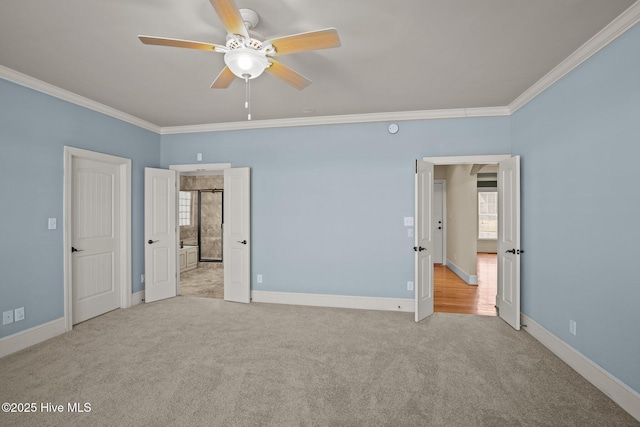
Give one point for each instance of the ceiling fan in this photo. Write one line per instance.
(246, 55)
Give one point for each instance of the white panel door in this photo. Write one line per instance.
(423, 240)
(438, 223)
(508, 297)
(237, 236)
(95, 238)
(160, 261)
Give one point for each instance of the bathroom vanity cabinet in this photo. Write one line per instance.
(188, 258)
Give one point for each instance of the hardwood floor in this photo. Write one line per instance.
(453, 295)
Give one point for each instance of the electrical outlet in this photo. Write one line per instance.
(18, 314)
(199, 157)
(409, 286)
(572, 327)
(259, 278)
(7, 317)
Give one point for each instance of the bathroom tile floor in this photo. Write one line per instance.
(206, 281)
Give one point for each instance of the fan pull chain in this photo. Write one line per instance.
(247, 102)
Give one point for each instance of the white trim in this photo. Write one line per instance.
(49, 89)
(619, 392)
(615, 29)
(342, 301)
(137, 298)
(469, 279)
(125, 225)
(343, 119)
(199, 167)
(31, 336)
(488, 159)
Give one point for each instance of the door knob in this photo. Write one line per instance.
(151, 242)
(244, 242)
(76, 250)
(511, 251)
(419, 248)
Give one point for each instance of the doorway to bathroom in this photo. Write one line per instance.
(201, 219)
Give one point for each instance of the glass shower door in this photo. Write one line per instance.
(210, 225)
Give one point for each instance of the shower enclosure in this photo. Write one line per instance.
(210, 220)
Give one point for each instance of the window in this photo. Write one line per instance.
(184, 208)
(487, 214)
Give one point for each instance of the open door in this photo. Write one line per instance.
(508, 296)
(423, 240)
(236, 235)
(160, 262)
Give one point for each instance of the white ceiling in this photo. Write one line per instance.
(402, 55)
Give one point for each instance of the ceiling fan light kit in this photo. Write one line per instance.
(246, 62)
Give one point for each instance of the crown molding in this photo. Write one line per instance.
(625, 21)
(49, 89)
(343, 119)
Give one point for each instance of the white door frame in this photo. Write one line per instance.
(465, 160)
(491, 159)
(124, 216)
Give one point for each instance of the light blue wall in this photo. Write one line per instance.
(328, 201)
(34, 128)
(580, 146)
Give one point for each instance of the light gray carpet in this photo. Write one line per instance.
(196, 361)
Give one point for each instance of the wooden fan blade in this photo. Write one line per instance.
(313, 40)
(230, 17)
(224, 79)
(288, 75)
(162, 41)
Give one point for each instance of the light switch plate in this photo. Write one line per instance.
(410, 232)
(7, 317)
(18, 314)
(259, 278)
(408, 221)
(199, 157)
(53, 224)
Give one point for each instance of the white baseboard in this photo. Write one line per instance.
(342, 301)
(31, 336)
(469, 279)
(619, 392)
(137, 298)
